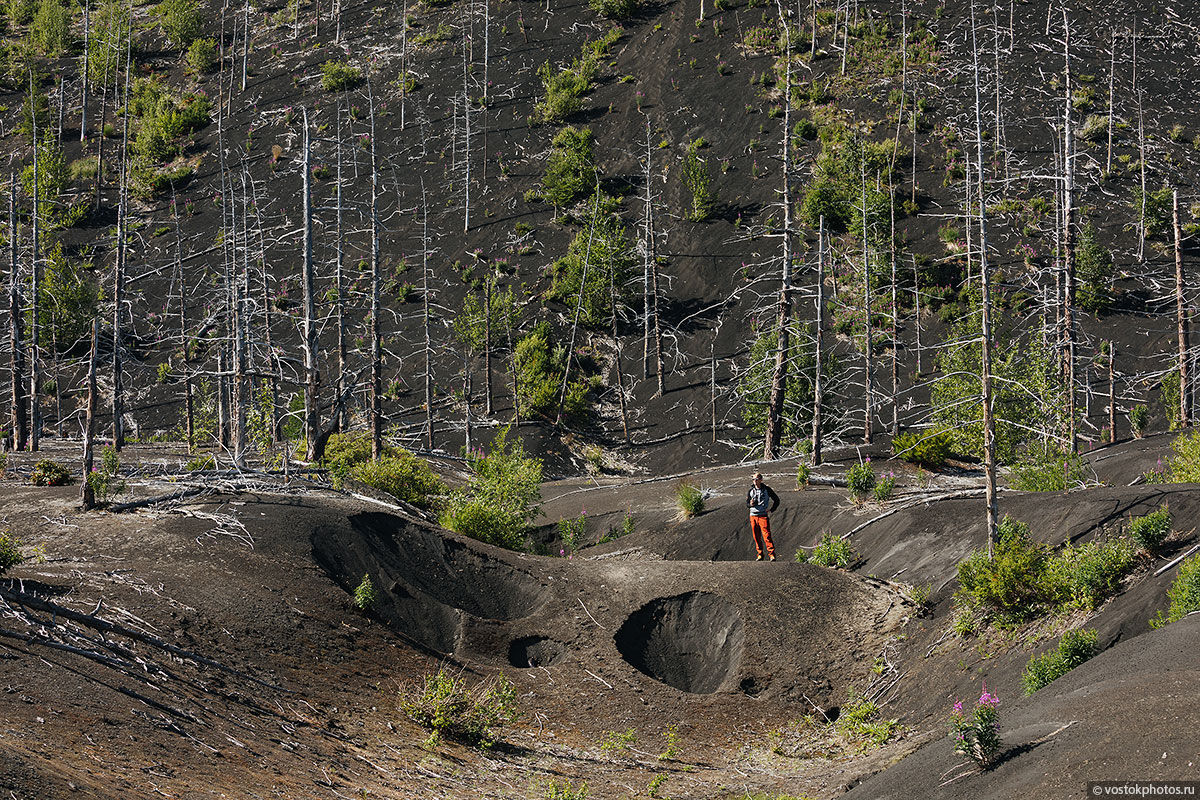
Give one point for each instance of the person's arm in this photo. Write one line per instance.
(748, 498)
(774, 499)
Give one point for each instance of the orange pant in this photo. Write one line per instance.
(760, 529)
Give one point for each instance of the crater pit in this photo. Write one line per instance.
(691, 641)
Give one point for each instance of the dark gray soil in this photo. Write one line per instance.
(692, 642)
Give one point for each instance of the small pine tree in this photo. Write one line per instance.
(698, 181)
(571, 168)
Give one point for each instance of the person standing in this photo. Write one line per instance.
(761, 500)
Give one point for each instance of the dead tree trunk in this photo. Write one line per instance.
(376, 328)
(819, 376)
(189, 413)
(35, 358)
(425, 318)
(895, 323)
(488, 282)
(339, 282)
(779, 376)
(612, 295)
(985, 286)
(712, 385)
(87, 492)
(587, 257)
(917, 313)
(20, 422)
(118, 385)
(242, 393)
(1068, 241)
(1112, 391)
(1137, 94)
(1181, 319)
(272, 381)
(1112, 79)
(83, 75)
(312, 379)
(648, 244)
(867, 349)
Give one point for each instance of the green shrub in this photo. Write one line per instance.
(698, 181)
(345, 450)
(449, 709)
(51, 28)
(1159, 473)
(1074, 648)
(540, 366)
(539, 370)
(1168, 395)
(107, 39)
(20, 11)
(180, 21)
(1024, 579)
(501, 497)
(10, 550)
(1158, 209)
(69, 292)
(1185, 464)
(338, 76)
(571, 167)
(1184, 594)
(565, 791)
(485, 522)
(162, 118)
(1086, 575)
(928, 448)
(884, 487)
(614, 9)
(49, 473)
(202, 56)
(1094, 268)
(1049, 470)
(104, 480)
(860, 479)
(689, 500)
(977, 735)
(365, 594)
(831, 551)
(1010, 587)
(803, 474)
(1151, 530)
(53, 178)
(200, 463)
(1139, 417)
(566, 87)
(805, 129)
(598, 260)
(402, 475)
(860, 719)
(571, 532)
(615, 742)
(150, 182)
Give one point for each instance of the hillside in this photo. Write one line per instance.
(456, 205)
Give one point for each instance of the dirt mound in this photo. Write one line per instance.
(692, 641)
(427, 580)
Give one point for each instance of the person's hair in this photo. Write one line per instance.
(758, 476)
